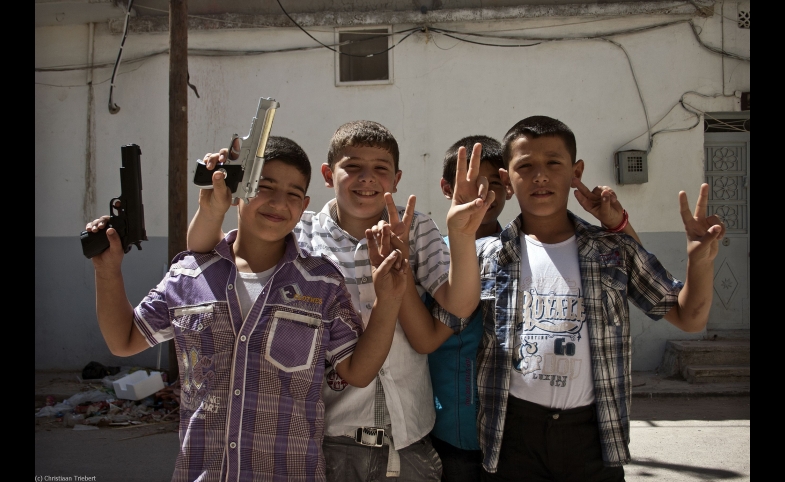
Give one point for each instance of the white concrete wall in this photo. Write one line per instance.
(442, 90)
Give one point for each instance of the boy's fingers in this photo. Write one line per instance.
(703, 201)
(482, 190)
(114, 241)
(489, 199)
(684, 209)
(386, 265)
(460, 169)
(581, 187)
(392, 211)
(408, 213)
(474, 162)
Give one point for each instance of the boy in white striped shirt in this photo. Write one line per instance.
(384, 426)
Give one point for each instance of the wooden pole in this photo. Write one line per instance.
(178, 140)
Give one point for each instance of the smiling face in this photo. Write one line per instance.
(277, 208)
(360, 176)
(540, 173)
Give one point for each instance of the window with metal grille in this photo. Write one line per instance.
(364, 56)
(744, 19)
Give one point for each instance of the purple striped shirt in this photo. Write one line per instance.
(250, 402)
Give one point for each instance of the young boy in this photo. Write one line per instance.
(452, 364)
(555, 360)
(254, 321)
(380, 429)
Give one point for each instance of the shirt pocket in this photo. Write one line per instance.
(202, 322)
(614, 295)
(293, 340)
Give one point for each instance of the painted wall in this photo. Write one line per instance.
(443, 90)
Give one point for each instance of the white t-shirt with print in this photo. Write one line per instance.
(552, 356)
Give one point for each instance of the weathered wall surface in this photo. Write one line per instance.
(443, 89)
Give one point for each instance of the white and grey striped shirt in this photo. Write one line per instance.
(404, 375)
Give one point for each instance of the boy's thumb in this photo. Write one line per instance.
(114, 239)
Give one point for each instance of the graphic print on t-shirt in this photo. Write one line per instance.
(551, 357)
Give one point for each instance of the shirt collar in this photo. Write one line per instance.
(293, 250)
(330, 212)
(511, 247)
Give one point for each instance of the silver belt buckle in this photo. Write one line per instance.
(369, 436)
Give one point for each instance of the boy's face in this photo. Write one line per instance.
(540, 174)
(496, 185)
(360, 177)
(277, 208)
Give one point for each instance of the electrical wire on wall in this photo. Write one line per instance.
(114, 108)
(488, 40)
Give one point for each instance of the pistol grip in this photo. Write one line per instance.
(94, 244)
(203, 177)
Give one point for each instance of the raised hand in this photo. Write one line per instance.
(378, 239)
(389, 279)
(703, 233)
(601, 202)
(111, 259)
(216, 201)
(393, 235)
(471, 197)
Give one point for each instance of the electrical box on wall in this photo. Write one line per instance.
(631, 167)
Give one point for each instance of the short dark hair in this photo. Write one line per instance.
(283, 149)
(491, 152)
(537, 126)
(362, 133)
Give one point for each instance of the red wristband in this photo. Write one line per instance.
(623, 224)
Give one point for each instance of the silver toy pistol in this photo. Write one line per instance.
(243, 169)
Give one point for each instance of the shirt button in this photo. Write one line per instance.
(237, 392)
(368, 305)
(364, 280)
(199, 327)
(556, 416)
(232, 445)
(230, 287)
(242, 338)
(381, 372)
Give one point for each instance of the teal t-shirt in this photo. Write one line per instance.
(454, 380)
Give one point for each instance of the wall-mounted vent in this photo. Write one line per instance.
(631, 167)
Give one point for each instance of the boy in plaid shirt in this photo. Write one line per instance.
(555, 359)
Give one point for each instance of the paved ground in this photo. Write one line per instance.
(679, 433)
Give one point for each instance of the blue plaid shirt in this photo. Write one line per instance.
(614, 271)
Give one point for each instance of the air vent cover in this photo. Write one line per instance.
(631, 167)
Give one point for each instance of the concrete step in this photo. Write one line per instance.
(682, 353)
(716, 373)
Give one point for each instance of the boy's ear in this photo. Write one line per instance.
(306, 201)
(327, 174)
(446, 189)
(505, 177)
(397, 180)
(577, 168)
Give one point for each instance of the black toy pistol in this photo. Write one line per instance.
(127, 211)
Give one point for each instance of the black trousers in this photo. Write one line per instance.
(542, 444)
